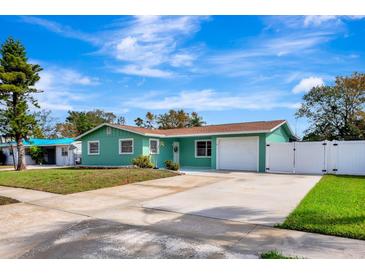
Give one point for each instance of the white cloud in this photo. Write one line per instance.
(279, 46)
(182, 60)
(307, 84)
(61, 29)
(73, 77)
(266, 54)
(317, 20)
(145, 46)
(144, 71)
(60, 88)
(207, 99)
(149, 45)
(53, 75)
(328, 20)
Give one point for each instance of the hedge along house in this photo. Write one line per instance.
(239, 146)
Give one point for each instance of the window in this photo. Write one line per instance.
(154, 146)
(27, 151)
(93, 148)
(203, 148)
(126, 146)
(108, 130)
(64, 151)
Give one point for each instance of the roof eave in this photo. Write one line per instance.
(285, 122)
(218, 133)
(116, 127)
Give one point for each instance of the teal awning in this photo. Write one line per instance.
(43, 142)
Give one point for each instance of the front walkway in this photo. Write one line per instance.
(113, 223)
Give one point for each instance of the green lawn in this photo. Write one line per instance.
(335, 206)
(7, 201)
(274, 254)
(71, 180)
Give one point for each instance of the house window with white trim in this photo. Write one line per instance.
(154, 146)
(93, 148)
(203, 148)
(64, 151)
(126, 146)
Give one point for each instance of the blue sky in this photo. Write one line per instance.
(228, 68)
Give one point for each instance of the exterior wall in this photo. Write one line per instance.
(187, 153)
(166, 152)
(68, 160)
(60, 160)
(279, 135)
(109, 148)
(9, 157)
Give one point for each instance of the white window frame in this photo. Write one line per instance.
(120, 146)
(158, 146)
(88, 147)
(196, 148)
(108, 130)
(66, 149)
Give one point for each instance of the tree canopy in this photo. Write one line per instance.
(171, 119)
(78, 122)
(45, 124)
(17, 81)
(337, 111)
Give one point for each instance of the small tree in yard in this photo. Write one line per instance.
(17, 80)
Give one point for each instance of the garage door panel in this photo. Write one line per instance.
(238, 154)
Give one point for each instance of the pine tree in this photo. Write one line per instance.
(17, 80)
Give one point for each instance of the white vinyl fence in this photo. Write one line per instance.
(337, 157)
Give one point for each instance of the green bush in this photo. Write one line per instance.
(36, 153)
(143, 162)
(171, 165)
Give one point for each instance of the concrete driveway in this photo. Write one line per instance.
(265, 199)
(207, 215)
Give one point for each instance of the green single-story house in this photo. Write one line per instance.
(236, 146)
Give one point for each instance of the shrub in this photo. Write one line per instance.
(36, 153)
(2, 158)
(171, 165)
(143, 162)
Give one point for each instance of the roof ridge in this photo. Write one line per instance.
(227, 124)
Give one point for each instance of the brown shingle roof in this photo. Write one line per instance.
(261, 126)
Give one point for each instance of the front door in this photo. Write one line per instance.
(176, 152)
(51, 156)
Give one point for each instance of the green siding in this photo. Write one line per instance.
(109, 148)
(279, 135)
(166, 152)
(187, 153)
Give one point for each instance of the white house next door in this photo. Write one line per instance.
(176, 152)
(238, 153)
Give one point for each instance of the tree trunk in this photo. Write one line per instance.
(21, 154)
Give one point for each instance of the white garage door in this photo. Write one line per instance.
(239, 153)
